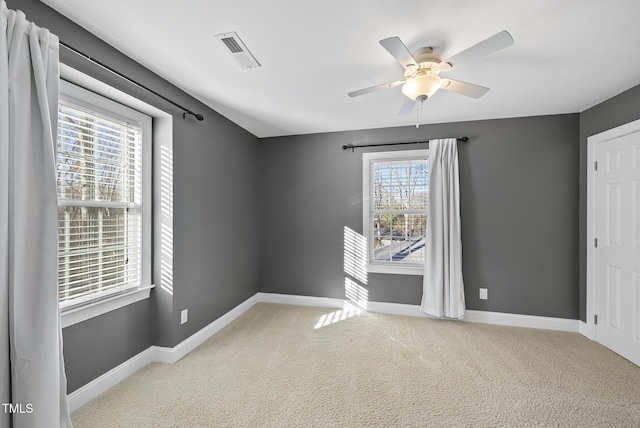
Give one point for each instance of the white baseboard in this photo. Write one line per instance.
(160, 354)
(498, 318)
(154, 354)
(171, 355)
(396, 309)
(588, 330)
(83, 395)
(290, 299)
(517, 320)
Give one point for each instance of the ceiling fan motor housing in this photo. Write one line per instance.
(422, 81)
(426, 62)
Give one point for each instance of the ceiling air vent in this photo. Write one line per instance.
(238, 50)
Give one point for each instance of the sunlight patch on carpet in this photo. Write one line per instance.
(349, 311)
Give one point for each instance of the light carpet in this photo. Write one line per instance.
(282, 366)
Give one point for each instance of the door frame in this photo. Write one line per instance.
(592, 144)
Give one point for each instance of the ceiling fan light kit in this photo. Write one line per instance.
(421, 69)
(421, 87)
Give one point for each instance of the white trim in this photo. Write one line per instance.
(290, 299)
(382, 267)
(155, 354)
(162, 136)
(172, 355)
(396, 309)
(84, 80)
(72, 94)
(93, 389)
(73, 316)
(159, 354)
(588, 331)
(518, 320)
(397, 269)
(592, 143)
(591, 209)
(498, 318)
(94, 103)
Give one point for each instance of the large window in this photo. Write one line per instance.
(103, 197)
(396, 190)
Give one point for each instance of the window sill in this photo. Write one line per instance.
(395, 270)
(76, 315)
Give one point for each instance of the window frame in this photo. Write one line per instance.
(73, 312)
(367, 211)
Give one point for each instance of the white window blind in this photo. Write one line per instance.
(396, 198)
(99, 204)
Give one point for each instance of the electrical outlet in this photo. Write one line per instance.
(484, 294)
(184, 315)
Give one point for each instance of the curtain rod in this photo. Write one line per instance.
(353, 147)
(186, 111)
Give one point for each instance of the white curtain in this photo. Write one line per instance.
(31, 365)
(443, 288)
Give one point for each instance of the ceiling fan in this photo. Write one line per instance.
(421, 70)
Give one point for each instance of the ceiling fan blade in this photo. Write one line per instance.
(493, 44)
(399, 51)
(375, 88)
(407, 107)
(464, 88)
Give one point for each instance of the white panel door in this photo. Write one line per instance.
(617, 256)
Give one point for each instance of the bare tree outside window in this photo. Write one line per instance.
(98, 183)
(399, 197)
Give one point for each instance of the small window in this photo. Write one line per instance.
(395, 202)
(103, 197)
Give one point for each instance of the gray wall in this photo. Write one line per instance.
(519, 209)
(215, 217)
(99, 344)
(280, 227)
(616, 111)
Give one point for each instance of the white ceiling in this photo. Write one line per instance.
(568, 55)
